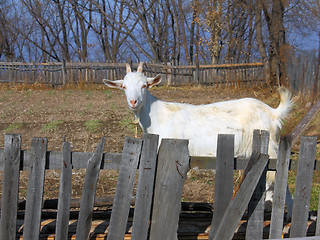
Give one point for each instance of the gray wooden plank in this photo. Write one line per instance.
(65, 189)
(10, 186)
(239, 203)
(318, 219)
(172, 167)
(260, 144)
(223, 179)
(89, 192)
(113, 160)
(79, 160)
(147, 170)
(280, 188)
(302, 193)
(123, 195)
(35, 186)
(302, 238)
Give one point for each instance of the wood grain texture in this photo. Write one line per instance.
(147, 171)
(223, 179)
(302, 192)
(123, 195)
(280, 188)
(64, 194)
(10, 186)
(260, 144)
(173, 164)
(35, 186)
(89, 192)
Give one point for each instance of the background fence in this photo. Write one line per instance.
(75, 72)
(302, 73)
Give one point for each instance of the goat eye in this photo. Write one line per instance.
(124, 87)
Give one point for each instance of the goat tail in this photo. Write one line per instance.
(285, 105)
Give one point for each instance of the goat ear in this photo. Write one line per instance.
(154, 81)
(140, 67)
(113, 84)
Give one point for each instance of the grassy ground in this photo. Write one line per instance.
(83, 114)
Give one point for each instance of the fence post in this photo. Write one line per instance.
(32, 217)
(65, 190)
(302, 192)
(280, 188)
(64, 71)
(89, 192)
(260, 144)
(223, 179)
(169, 74)
(122, 198)
(10, 186)
(173, 164)
(147, 171)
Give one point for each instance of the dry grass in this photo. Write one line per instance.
(86, 112)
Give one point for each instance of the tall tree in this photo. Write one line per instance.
(273, 12)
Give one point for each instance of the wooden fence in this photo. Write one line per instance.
(75, 72)
(157, 211)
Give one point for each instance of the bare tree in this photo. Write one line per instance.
(81, 26)
(273, 12)
(8, 37)
(111, 35)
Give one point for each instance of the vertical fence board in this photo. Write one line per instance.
(64, 194)
(124, 188)
(239, 203)
(147, 170)
(302, 193)
(318, 219)
(280, 188)
(173, 164)
(223, 179)
(10, 187)
(35, 186)
(89, 192)
(256, 205)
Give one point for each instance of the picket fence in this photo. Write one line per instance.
(157, 206)
(247, 74)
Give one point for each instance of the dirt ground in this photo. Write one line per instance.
(84, 116)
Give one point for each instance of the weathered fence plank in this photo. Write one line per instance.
(318, 219)
(280, 188)
(223, 179)
(147, 171)
(260, 144)
(124, 188)
(35, 186)
(303, 186)
(10, 186)
(239, 203)
(173, 164)
(89, 192)
(64, 194)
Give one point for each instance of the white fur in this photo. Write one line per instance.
(201, 124)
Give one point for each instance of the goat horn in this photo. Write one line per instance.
(140, 67)
(128, 67)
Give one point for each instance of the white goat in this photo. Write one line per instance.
(201, 124)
